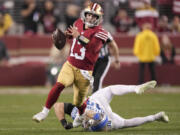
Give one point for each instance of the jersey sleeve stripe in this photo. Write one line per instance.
(102, 35)
(101, 38)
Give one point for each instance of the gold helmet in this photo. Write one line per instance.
(94, 9)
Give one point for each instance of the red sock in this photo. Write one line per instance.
(82, 107)
(54, 94)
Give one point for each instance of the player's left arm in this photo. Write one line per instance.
(114, 50)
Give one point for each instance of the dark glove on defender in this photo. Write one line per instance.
(66, 125)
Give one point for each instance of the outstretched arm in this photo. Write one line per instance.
(59, 110)
(60, 114)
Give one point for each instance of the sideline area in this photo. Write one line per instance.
(45, 90)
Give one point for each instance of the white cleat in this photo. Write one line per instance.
(163, 118)
(145, 86)
(40, 116)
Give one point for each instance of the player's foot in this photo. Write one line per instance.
(40, 116)
(145, 86)
(163, 117)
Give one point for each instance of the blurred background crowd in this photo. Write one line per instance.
(120, 16)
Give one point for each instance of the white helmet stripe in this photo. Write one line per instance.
(94, 7)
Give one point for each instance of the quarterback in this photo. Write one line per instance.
(98, 115)
(87, 39)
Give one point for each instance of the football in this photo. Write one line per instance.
(59, 39)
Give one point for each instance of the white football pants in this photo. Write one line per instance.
(104, 96)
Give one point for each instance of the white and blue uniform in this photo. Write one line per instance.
(99, 103)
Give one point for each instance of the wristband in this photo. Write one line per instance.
(66, 125)
(63, 122)
(83, 40)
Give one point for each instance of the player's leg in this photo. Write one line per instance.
(118, 122)
(161, 116)
(100, 70)
(110, 91)
(79, 95)
(65, 78)
(80, 87)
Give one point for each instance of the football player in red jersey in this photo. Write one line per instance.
(88, 37)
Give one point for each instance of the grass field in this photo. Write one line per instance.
(16, 111)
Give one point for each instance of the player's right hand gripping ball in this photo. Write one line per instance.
(59, 39)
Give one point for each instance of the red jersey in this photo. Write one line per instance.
(84, 57)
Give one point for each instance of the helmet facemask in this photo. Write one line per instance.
(91, 118)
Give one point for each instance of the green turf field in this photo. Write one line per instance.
(16, 112)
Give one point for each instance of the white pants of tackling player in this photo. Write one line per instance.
(104, 96)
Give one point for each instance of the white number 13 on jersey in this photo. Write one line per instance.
(82, 50)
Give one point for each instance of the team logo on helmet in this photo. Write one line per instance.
(94, 9)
